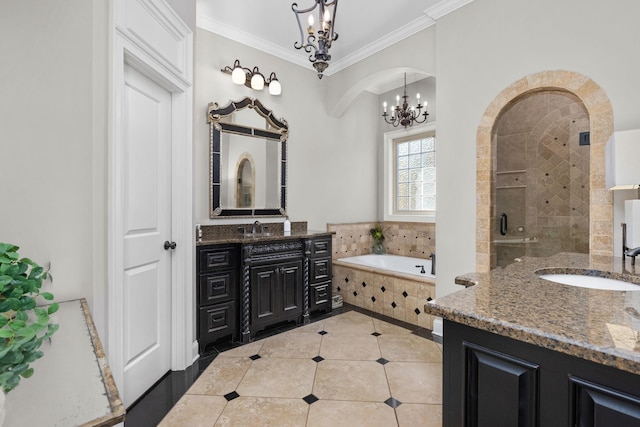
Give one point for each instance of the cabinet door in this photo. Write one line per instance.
(501, 390)
(217, 287)
(291, 287)
(597, 406)
(264, 291)
(320, 296)
(320, 270)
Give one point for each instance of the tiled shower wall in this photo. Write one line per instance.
(542, 180)
(414, 239)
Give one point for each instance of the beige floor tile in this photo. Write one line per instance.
(412, 382)
(350, 347)
(263, 412)
(269, 377)
(244, 350)
(387, 328)
(413, 414)
(351, 380)
(310, 328)
(330, 413)
(195, 411)
(408, 348)
(350, 322)
(292, 345)
(222, 376)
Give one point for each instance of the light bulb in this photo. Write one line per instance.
(397, 99)
(425, 104)
(418, 96)
(257, 81)
(274, 87)
(238, 76)
(310, 27)
(384, 105)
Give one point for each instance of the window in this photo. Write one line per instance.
(415, 174)
(410, 174)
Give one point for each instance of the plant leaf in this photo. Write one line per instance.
(53, 308)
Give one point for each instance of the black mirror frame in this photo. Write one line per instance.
(279, 131)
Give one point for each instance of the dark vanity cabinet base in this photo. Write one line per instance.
(491, 380)
(320, 275)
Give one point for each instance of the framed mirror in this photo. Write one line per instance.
(248, 160)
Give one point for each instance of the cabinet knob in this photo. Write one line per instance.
(169, 245)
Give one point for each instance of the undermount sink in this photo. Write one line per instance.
(591, 282)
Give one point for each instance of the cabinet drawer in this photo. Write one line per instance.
(216, 321)
(320, 270)
(321, 246)
(217, 287)
(217, 257)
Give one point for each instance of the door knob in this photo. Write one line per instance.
(169, 245)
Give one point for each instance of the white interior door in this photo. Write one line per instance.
(146, 280)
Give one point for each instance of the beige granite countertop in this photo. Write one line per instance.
(236, 237)
(597, 325)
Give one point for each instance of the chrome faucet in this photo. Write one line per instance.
(421, 267)
(633, 253)
(255, 227)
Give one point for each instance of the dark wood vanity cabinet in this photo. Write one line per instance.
(244, 288)
(217, 283)
(491, 380)
(320, 275)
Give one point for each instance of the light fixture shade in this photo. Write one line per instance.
(274, 87)
(238, 76)
(621, 155)
(257, 81)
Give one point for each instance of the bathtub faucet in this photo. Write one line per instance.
(433, 263)
(421, 268)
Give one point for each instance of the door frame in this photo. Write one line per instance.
(139, 37)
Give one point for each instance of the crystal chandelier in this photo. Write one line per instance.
(405, 115)
(318, 41)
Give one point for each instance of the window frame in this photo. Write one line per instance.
(390, 213)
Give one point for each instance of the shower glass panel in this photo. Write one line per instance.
(542, 178)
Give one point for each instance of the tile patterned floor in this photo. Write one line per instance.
(347, 370)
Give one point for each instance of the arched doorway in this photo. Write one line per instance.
(600, 116)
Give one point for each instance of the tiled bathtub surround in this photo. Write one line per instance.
(396, 297)
(413, 239)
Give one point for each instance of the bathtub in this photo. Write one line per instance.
(392, 264)
(390, 285)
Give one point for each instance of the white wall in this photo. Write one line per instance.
(485, 46)
(46, 134)
(332, 161)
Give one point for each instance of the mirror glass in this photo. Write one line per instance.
(248, 160)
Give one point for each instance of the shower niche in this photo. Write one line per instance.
(541, 197)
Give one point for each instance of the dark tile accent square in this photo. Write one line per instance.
(393, 402)
(364, 285)
(255, 357)
(394, 305)
(318, 359)
(383, 289)
(310, 399)
(231, 396)
(405, 294)
(355, 294)
(417, 311)
(373, 299)
(376, 334)
(323, 332)
(338, 289)
(382, 361)
(346, 279)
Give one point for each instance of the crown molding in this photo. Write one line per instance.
(444, 7)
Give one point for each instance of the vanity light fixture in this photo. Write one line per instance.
(252, 78)
(405, 115)
(317, 40)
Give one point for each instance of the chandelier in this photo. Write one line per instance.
(404, 115)
(318, 41)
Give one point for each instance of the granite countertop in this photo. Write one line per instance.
(237, 237)
(597, 325)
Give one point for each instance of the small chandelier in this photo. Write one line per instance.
(319, 41)
(404, 115)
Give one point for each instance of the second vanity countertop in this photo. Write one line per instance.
(237, 237)
(597, 325)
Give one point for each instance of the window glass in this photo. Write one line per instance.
(415, 174)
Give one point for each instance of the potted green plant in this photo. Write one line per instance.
(377, 233)
(23, 324)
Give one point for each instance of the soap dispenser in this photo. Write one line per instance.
(287, 226)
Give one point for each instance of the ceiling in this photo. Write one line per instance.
(363, 28)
